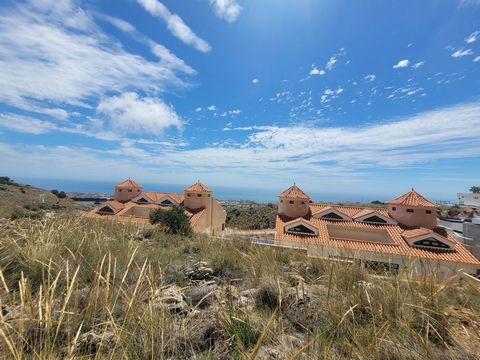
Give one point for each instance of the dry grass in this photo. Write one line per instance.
(67, 277)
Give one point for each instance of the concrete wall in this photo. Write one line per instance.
(212, 220)
(124, 194)
(197, 200)
(296, 209)
(419, 266)
(469, 199)
(418, 217)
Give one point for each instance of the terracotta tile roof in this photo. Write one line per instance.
(157, 196)
(398, 246)
(128, 183)
(117, 205)
(199, 187)
(412, 198)
(194, 215)
(351, 211)
(294, 192)
(413, 233)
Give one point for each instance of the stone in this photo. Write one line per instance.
(199, 271)
(248, 297)
(268, 352)
(364, 284)
(203, 294)
(92, 341)
(301, 307)
(172, 299)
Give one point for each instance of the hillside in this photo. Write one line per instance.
(74, 288)
(21, 200)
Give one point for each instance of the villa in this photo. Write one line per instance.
(132, 204)
(404, 235)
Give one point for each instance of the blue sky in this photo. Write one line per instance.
(363, 97)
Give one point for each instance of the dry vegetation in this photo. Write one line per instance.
(72, 288)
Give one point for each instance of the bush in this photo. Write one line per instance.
(5, 180)
(173, 221)
(54, 191)
(61, 195)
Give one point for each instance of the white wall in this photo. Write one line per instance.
(469, 199)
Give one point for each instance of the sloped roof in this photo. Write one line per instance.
(198, 187)
(128, 183)
(156, 196)
(412, 198)
(294, 192)
(396, 232)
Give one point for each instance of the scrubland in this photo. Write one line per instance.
(77, 288)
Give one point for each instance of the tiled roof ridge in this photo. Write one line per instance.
(128, 182)
(412, 198)
(198, 186)
(294, 192)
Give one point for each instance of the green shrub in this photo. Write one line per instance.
(172, 221)
(54, 191)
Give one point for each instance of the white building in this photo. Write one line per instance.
(468, 199)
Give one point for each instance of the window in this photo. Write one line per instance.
(142, 201)
(129, 190)
(291, 202)
(208, 195)
(138, 190)
(410, 210)
(106, 210)
(332, 216)
(188, 195)
(431, 242)
(281, 201)
(428, 211)
(375, 219)
(166, 202)
(119, 190)
(199, 195)
(300, 229)
(394, 208)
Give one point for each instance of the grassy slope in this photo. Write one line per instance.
(24, 198)
(48, 266)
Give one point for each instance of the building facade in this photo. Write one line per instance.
(405, 235)
(468, 199)
(132, 204)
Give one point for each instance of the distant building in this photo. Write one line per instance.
(405, 234)
(132, 204)
(468, 199)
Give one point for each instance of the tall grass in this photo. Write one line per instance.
(66, 280)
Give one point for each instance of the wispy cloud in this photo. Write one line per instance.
(462, 53)
(401, 64)
(212, 108)
(370, 77)
(255, 81)
(477, 59)
(228, 10)
(316, 71)
(472, 37)
(418, 64)
(175, 24)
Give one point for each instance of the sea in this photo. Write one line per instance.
(220, 192)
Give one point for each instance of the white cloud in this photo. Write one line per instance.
(234, 112)
(370, 77)
(226, 9)
(175, 24)
(25, 124)
(316, 71)
(462, 53)
(198, 109)
(130, 114)
(418, 64)
(401, 64)
(472, 37)
(212, 108)
(45, 57)
(477, 59)
(255, 81)
(331, 63)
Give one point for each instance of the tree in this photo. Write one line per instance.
(61, 195)
(173, 220)
(475, 189)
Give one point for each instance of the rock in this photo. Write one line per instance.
(199, 271)
(248, 297)
(91, 342)
(203, 294)
(270, 353)
(5, 310)
(171, 298)
(301, 307)
(364, 284)
(13, 313)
